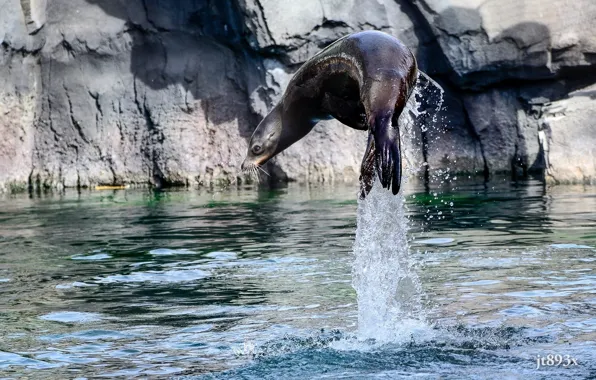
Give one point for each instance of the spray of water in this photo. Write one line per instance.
(388, 288)
(390, 307)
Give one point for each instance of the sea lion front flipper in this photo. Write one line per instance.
(367, 169)
(387, 152)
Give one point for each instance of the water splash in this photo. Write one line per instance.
(388, 288)
(389, 291)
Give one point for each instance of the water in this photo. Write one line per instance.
(387, 286)
(258, 284)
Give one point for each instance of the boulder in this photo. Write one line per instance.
(486, 42)
(451, 144)
(128, 105)
(34, 12)
(569, 138)
(493, 115)
(295, 31)
(19, 93)
(18, 107)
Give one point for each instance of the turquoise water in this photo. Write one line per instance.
(257, 284)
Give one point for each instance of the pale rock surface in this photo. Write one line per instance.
(570, 143)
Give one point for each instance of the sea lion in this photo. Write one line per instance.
(363, 80)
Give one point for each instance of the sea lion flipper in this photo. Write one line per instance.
(387, 153)
(367, 170)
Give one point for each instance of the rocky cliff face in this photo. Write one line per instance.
(158, 92)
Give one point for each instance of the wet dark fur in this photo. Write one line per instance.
(363, 80)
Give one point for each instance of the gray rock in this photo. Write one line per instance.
(167, 110)
(154, 93)
(493, 116)
(451, 144)
(492, 41)
(265, 96)
(331, 152)
(570, 138)
(35, 14)
(19, 96)
(298, 30)
(14, 29)
(18, 107)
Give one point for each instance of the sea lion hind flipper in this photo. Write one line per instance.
(367, 169)
(388, 154)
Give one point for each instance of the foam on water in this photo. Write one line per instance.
(570, 246)
(171, 276)
(95, 257)
(436, 241)
(170, 252)
(71, 317)
(388, 288)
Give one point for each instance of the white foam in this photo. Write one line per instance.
(172, 276)
(95, 257)
(436, 241)
(570, 246)
(170, 252)
(222, 255)
(71, 317)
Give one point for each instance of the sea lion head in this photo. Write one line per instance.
(287, 123)
(264, 142)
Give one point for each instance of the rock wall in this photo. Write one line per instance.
(161, 93)
(569, 137)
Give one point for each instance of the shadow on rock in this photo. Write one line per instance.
(191, 43)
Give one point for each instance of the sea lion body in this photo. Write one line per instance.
(364, 80)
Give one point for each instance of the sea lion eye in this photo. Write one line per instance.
(257, 149)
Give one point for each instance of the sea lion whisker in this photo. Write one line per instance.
(257, 173)
(247, 171)
(263, 170)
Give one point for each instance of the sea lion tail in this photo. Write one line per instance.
(387, 152)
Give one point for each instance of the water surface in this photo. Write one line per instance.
(257, 284)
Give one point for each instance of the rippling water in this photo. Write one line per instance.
(257, 284)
